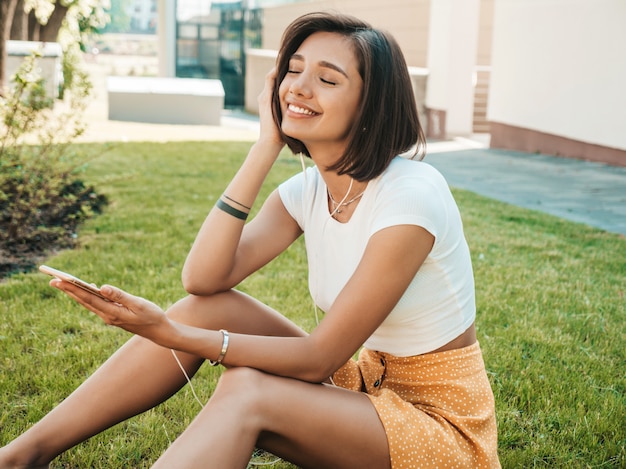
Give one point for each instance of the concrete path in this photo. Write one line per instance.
(580, 191)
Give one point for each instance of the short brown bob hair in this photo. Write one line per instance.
(386, 123)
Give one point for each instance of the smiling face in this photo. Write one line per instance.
(321, 92)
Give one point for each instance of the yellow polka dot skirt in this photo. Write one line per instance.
(437, 409)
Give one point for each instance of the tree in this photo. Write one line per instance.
(7, 10)
(41, 198)
(19, 26)
(64, 21)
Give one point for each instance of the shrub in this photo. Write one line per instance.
(42, 199)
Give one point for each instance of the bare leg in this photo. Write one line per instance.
(311, 425)
(141, 368)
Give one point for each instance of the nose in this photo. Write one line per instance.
(301, 86)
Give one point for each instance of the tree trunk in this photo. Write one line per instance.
(50, 31)
(33, 27)
(19, 27)
(7, 10)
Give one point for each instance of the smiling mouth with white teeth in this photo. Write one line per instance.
(300, 110)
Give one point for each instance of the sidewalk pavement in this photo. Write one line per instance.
(580, 191)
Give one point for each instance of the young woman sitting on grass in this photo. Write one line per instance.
(388, 266)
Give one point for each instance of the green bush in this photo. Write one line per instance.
(42, 199)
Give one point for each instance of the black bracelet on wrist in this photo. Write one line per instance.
(231, 210)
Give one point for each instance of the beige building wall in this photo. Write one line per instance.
(558, 75)
(452, 56)
(485, 33)
(407, 20)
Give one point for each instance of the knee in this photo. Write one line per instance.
(195, 310)
(241, 380)
(184, 310)
(243, 389)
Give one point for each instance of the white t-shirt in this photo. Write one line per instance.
(439, 303)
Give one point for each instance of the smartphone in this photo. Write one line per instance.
(73, 280)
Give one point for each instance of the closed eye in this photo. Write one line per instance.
(328, 82)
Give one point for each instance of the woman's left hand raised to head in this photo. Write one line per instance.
(131, 313)
(268, 126)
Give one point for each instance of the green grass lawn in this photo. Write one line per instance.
(550, 293)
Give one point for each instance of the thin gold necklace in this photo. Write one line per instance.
(337, 206)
